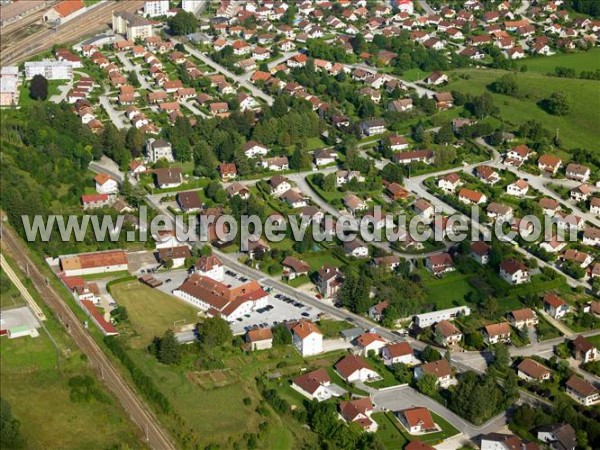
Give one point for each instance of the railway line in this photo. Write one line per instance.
(136, 408)
(91, 22)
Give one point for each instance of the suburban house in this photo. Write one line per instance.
(294, 198)
(520, 318)
(480, 252)
(293, 268)
(359, 411)
(441, 370)
(279, 185)
(424, 156)
(531, 370)
(371, 127)
(514, 272)
(329, 281)
(577, 172)
(398, 353)
(423, 209)
(417, 420)
(518, 189)
(210, 266)
(584, 350)
(439, 263)
(389, 262)
(307, 338)
(105, 184)
(324, 157)
(376, 311)
(227, 171)
(396, 191)
(259, 338)
(560, 436)
(549, 206)
(498, 211)
(581, 193)
(471, 197)
(168, 177)
(93, 201)
(450, 182)
(582, 391)
(447, 334)
(437, 78)
(520, 152)
(177, 255)
(189, 201)
(354, 368)
(591, 236)
(549, 164)
(555, 306)
(316, 385)
(367, 342)
(498, 332)
(238, 189)
(356, 248)
(582, 259)
(397, 142)
(354, 204)
(487, 174)
(499, 441)
(252, 149)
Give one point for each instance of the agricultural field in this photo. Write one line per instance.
(577, 129)
(579, 61)
(36, 371)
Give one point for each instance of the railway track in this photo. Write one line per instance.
(137, 409)
(92, 22)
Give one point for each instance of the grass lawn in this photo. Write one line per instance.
(388, 431)
(37, 391)
(318, 260)
(24, 98)
(9, 296)
(579, 61)
(577, 129)
(595, 340)
(332, 328)
(448, 291)
(151, 312)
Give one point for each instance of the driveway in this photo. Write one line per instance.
(114, 115)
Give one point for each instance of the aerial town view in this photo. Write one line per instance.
(311, 224)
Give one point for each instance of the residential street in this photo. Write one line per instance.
(257, 93)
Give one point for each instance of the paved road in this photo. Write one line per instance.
(237, 78)
(137, 409)
(130, 67)
(189, 105)
(114, 115)
(108, 166)
(425, 6)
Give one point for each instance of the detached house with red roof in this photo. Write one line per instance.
(531, 370)
(105, 184)
(64, 11)
(582, 391)
(549, 163)
(439, 263)
(260, 338)
(498, 332)
(359, 411)
(441, 370)
(584, 350)
(555, 306)
(368, 342)
(447, 334)
(514, 272)
(354, 368)
(316, 385)
(417, 421)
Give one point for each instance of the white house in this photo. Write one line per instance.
(253, 149)
(398, 353)
(518, 189)
(514, 272)
(316, 385)
(555, 306)
(367, 342)
(210, 266)
(354, 368)
(307, 338)
(105, 184)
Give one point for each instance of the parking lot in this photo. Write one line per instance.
(281, 308)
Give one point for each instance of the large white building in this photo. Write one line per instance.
(427, 319)
(307, 338)
(218, 299)
(50, 70)
(92, 263)
(191, 5)
(155, 8)
(133, 26)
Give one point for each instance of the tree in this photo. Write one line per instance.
(392, 173)
(445, 135)
(119, 314)
(501, 357)
(281, 335)
(169, 351)
(214, 331)
(183, 23)
(427, 384)
(134, 140)
(300, 160)
(329, 182)
(10, 433)
(430, 354)
(482, 106)
(445, 156)
(132, 78)
(558, 104)
(38, 89)
(506, 84)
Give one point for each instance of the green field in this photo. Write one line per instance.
(595, 340)
(589, 60)
(151, 312)
(36, 388)
(577, 129)
(448, 291)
